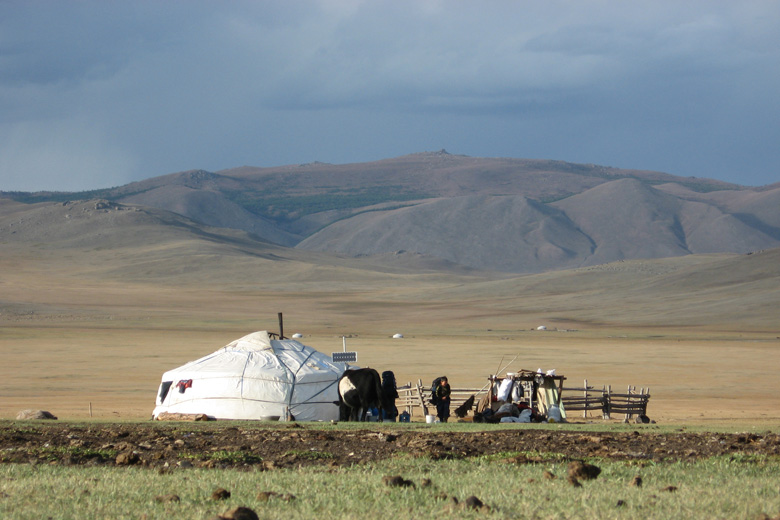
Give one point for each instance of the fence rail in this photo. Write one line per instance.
(414, 399)
(607, 402)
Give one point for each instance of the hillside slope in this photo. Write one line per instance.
(512, 215)
(98, 257)
(616, 220)
(629, 219)
(500, 233)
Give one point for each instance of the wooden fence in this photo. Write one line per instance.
(605, 401)
(414, 399)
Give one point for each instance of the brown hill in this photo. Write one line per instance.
(213, 209)
(629, 219)
(109, 242)
(61, 255)
(501, 233)
(512, 215)
(440, 174)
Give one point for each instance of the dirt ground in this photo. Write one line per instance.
(168, 446)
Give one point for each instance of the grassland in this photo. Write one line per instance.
(86, 333)
(724, 487)
(113, 368)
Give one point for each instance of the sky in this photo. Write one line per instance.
(97, 93)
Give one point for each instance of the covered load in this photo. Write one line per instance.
(254, 377)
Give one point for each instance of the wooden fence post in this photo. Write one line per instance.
(585, 411)
(422, 399)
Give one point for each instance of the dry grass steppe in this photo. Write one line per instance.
(93, 322)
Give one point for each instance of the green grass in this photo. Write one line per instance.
(575, 425)
(231, 457)
(56, 453)
(723, 487)
(310, 454)
(288, 208)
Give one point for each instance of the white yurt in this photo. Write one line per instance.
(254, 377)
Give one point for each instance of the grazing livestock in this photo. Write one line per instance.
(360, 390)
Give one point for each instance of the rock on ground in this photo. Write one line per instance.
(34, 414)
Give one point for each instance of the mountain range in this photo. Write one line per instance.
(490, 214)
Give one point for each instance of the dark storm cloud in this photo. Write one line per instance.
(95, 94)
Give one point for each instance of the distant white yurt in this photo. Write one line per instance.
(398, 336)
(541, 327)
(254, 377)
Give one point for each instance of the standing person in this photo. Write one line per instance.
(443, 400)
